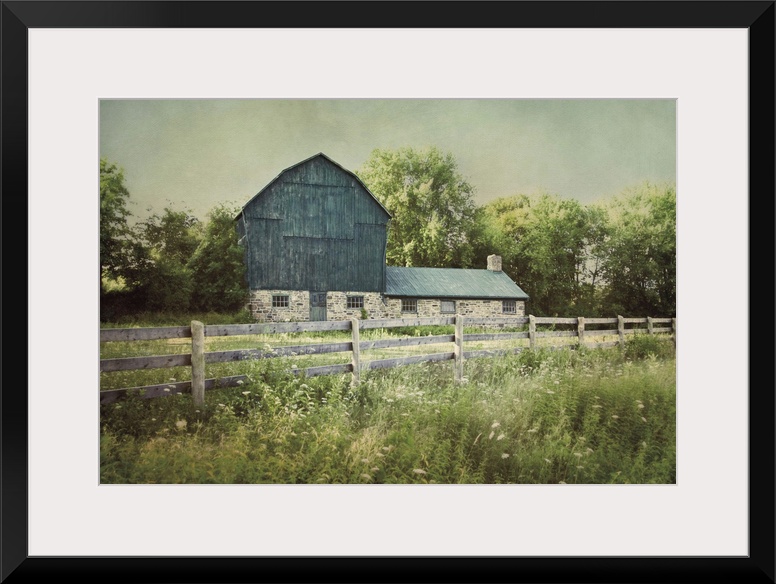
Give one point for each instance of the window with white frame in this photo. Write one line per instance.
(409, 305)
(509, 306)
(279, 301)
(354, 302)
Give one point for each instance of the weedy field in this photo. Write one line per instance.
(585, 416)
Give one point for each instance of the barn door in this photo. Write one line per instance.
(317, 305)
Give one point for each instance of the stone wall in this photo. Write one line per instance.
(262, 310)
(298, 308)
(433, 307)
(375, 304)
(336, 305)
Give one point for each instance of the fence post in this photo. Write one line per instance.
(673, 326)
(356, 361)
(649, 325)
(621, 330)
(198, 362)
(532, 331)
(458, 365)
(581, 330)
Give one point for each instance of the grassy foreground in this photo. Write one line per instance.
(540, 417)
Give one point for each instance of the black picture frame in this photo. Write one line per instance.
(756, 16)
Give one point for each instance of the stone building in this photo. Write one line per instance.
(315, 241)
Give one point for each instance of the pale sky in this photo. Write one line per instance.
(193, 154)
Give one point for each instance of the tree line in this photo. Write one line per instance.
(612, 257)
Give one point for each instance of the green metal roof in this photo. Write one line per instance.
(451, 283)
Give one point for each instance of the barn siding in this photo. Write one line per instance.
(315, 228)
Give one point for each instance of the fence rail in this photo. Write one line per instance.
(198, 357)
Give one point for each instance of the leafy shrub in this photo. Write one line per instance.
(642, 346)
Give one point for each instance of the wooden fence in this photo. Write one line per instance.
(198, 357)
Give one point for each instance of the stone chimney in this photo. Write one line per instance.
(494, 263)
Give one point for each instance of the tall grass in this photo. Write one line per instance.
(541, 417)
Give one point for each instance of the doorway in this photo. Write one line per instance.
(317, 305)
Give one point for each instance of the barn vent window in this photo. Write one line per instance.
(509, 306)
(280, 301)
(409, 305)
(355, 302)
(447, 306)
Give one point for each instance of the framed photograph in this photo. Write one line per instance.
(713, 59)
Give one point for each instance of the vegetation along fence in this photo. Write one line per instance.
(198, 357)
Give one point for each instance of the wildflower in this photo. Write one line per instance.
(643, 419)
(366, 476)
(500, 437)
(491, 435)
(550, 391)
(495, 425)
(167, 389)
(578, 454)
(505, 455)
(615, 417)
(375, 468)
(556, 382)
(365, 460)
(547, 460)
(597, 406)
(246, 393)
(589, 451)
(579, 466)
(172, 379)
(562, 482)
(181, 424)
(419, 471)
(532, 430)
(239, 382)
(153, 419)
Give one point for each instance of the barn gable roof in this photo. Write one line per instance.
(451, 283)
(305, 161)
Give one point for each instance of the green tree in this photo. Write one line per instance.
(218, 265)
(545, 243)
(431, 203)
(115, 234)
(164, 245)
(640, 262)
